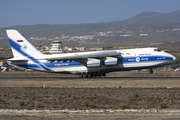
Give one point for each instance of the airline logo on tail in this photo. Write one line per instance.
(24, 47)
(20, 41)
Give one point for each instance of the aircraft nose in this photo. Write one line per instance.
(174, 58)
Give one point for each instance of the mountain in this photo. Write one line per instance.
(146, 22)
(146, 18)
(153, 18)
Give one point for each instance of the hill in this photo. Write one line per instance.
(145, 28)
(154, 18)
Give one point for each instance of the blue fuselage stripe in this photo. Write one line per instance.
(139, 59)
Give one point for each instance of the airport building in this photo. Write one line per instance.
(56, 47)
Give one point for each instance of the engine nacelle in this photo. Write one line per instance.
(111, 61)
(93, 62)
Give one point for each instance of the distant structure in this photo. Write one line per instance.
(143, 34)
(56, 47)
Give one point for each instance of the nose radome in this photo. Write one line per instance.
(174, 58)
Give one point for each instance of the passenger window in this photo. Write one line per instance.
(157, 50)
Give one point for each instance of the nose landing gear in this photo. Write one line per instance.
(150, 71)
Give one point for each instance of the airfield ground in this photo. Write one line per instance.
(120, 95)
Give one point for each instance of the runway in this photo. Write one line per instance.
(110, 76)
(112, 80)
(37, 92)
(97, 78)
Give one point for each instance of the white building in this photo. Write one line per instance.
(125, 35)
(143, 34)
(56, 47)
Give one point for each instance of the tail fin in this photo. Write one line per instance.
(20, 46)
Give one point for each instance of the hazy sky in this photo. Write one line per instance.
(29, 12)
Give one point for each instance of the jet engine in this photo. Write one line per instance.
(111, 61)
(91, 62)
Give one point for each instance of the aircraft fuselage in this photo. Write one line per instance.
(129, 59)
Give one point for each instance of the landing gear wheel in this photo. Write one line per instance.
(91, 75)
(81, 75)
(104, 74)
(95, 75)
(150, 71)
(86, 75)
(99, 74)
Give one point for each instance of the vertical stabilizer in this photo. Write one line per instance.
(21, 48)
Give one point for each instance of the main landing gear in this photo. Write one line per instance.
(90, 75)
(150, 71)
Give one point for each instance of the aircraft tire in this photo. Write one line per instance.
(81, 75)
(86, 75)
(91, 75)
(104, 74)
(95, 75)
(99, 74)
(150, 71)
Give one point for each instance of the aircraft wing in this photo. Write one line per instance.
(78, 57)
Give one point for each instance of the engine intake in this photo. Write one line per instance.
(93, 62)
(111, 61)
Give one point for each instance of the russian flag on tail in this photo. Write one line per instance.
(20, 41)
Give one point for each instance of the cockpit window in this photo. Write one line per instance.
(157, 50)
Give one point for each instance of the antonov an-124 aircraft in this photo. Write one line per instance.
(85, 64)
